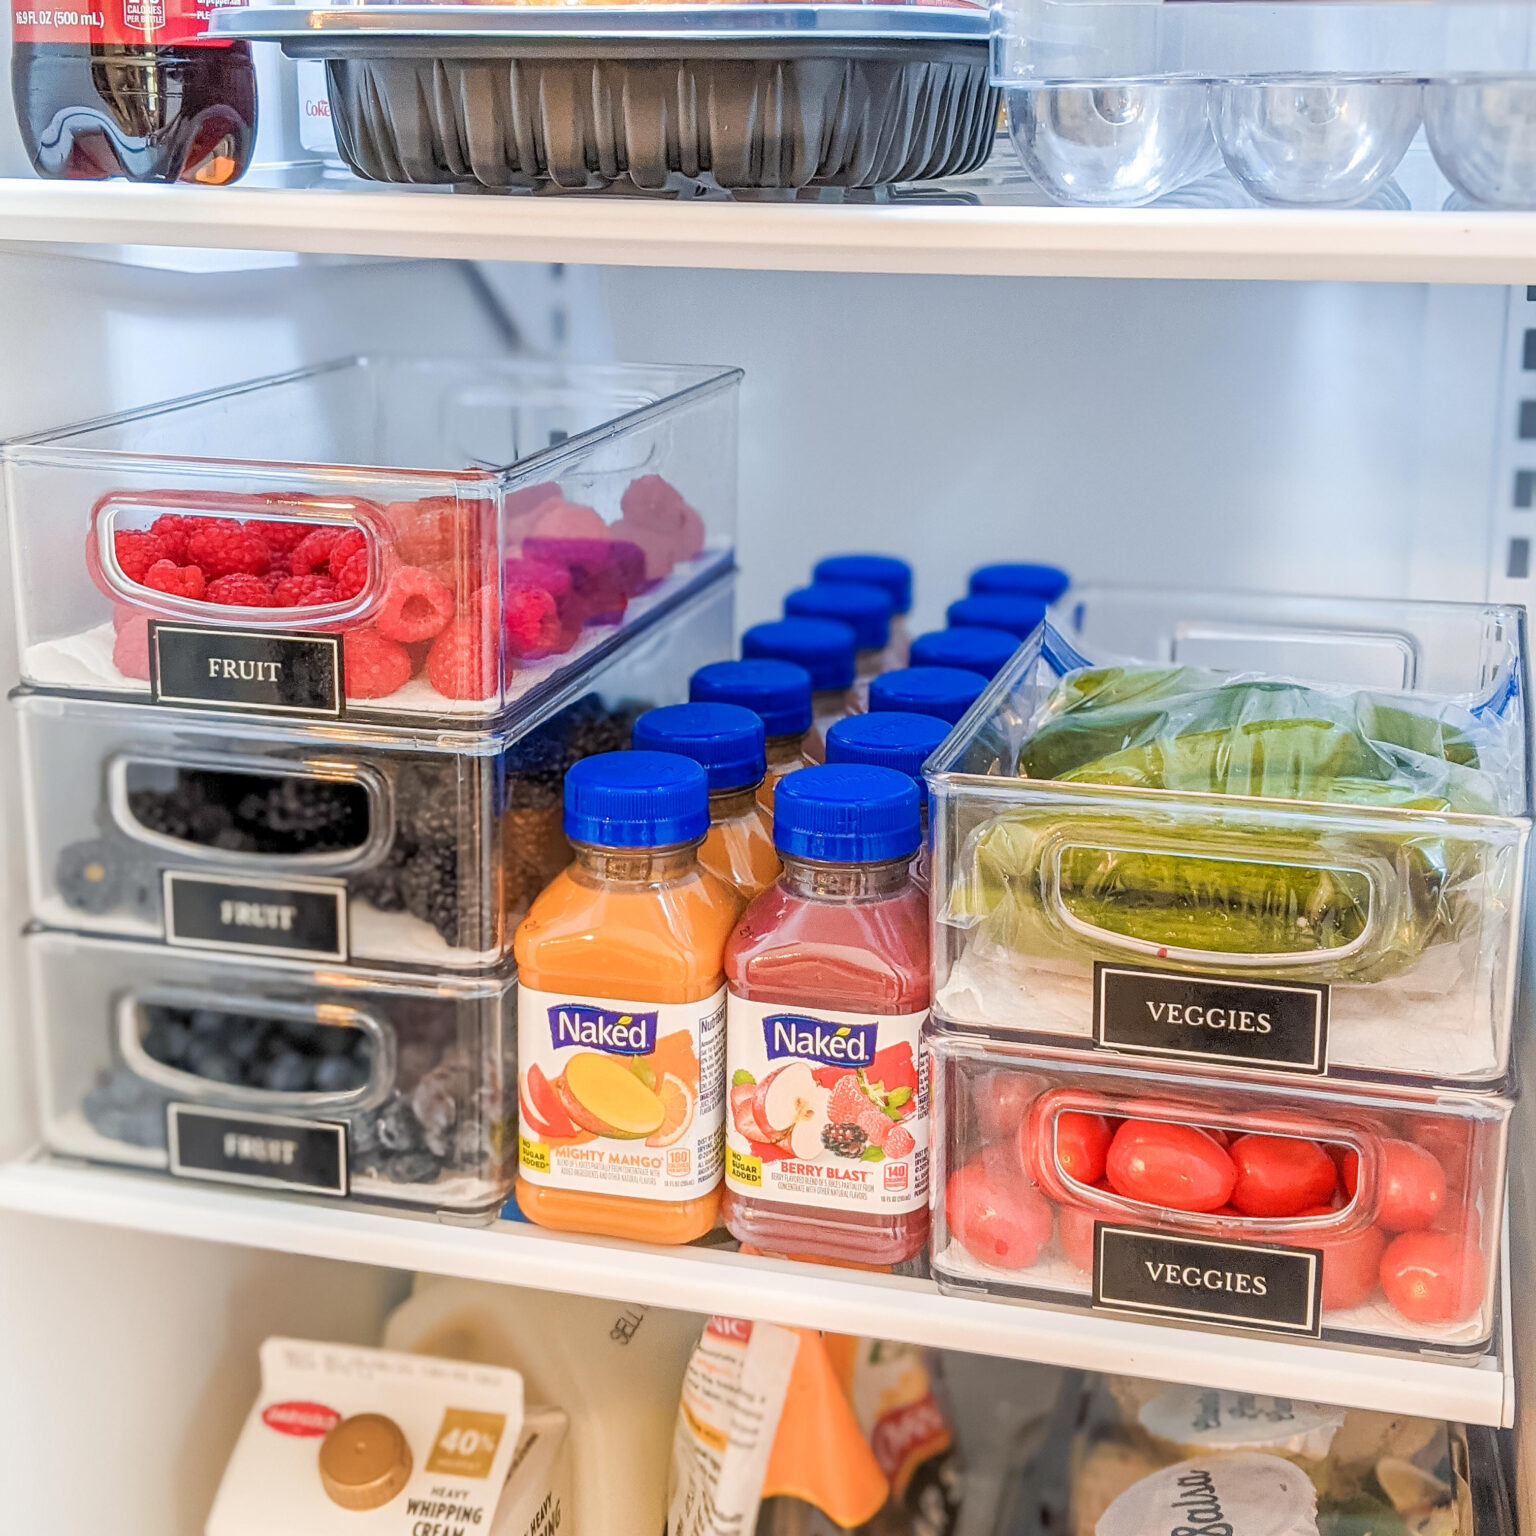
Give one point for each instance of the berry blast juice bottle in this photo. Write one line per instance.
(827, 1130)
(621, 1010)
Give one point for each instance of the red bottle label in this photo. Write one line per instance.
(116, 21)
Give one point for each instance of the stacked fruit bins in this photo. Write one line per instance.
(294, 729)
(1225, 944)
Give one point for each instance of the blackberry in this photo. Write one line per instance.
(90, 875)
(380, 886)
(843, 1140)
(427, 803)
(295, 814)
(429, 887)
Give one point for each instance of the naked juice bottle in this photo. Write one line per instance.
(621, 1010)
(726, 741)
(827, 1135)
(779, 694)
(825, 648)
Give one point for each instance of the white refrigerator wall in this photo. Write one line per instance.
(1347, 439)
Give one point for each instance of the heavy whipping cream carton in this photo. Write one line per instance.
(345, 1441)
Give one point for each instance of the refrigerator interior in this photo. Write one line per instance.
(1341, 438)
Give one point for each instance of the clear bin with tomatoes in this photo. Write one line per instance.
(276, 1075)
(416, 849)
(1352, 1215)
(1262, 831)
(416, 538)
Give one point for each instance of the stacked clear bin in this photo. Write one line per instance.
(1310, 104)
(284, 813)
(1227, 890)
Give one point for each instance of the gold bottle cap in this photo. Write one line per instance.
(364, 1461)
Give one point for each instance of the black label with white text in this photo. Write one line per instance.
(306, 918)
(1280, 1026)
(244, 669)
(1248, 1285)
(266, 1151)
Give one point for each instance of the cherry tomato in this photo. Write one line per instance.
(1002, 1099)
(1074, 1227)
(1410, 1190)
(1450, 1141)
(1171, 1165)
(1433, 1277)
(1280, 1175)
(1082, 1141)
(1351, 1265)
(1000, 1221)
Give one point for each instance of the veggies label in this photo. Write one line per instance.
(620, 1097)
(1281, 1026)
(827, 1108)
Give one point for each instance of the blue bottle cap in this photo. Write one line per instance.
(725, 740)
(823, 647)
(885, 571)
(1018, 615)
(846, 813)
(777, 692)
(866, 609)
(1047, 582)
(977, 650)
(894, 740)
(636, 800)
(946, 692)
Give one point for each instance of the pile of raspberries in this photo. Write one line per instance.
(437, 607)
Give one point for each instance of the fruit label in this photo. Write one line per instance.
(827, 1108)
(264, 1151)
(1280, 1026)
(198, 667)
(116, 21)
(620, 1098)
(1246, 1285)
(302, 919)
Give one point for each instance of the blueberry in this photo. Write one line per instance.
(412, 1168)
(90, 875)
(334, 1039)
(207, 1021)
(290, 1073)
(365, 1135)
(214, 1065)
(399, 1129)
(166, 1041)
(244, 1042)
(469, 1148)
(340, 1074)
(434, 1105)
(301, 1033)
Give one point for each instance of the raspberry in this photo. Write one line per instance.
(532, 622)
(652, 502)
(280, 538)
(277, 570)
(304, 592)
(173, 532)
(848, 1101)
(136, 552)
(352, 577)
(312, 551)
(344, 548)
(416, 606)
(130, 650)
(226, 549)
(178, 580)
(436, 528)
(875, 1124)
(375, 666)
(524, 571)
(898, 1141)
(461, 665)
(239, 590)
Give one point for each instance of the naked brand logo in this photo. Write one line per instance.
(813, 1039)
(614, 1030)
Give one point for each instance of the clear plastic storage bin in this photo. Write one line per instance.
(1345, 1214)
(421, 539)
(1289, 834)
(1307, 104)
(277, 1076)
(338, 843)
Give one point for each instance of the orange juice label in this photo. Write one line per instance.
(621, 1097)
(826, 1108)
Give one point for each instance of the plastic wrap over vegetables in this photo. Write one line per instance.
(1354, 865)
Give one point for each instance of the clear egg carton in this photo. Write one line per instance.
(1119, 103)
(337, 844)
(276, 1076)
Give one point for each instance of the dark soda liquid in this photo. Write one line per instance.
(150, 112)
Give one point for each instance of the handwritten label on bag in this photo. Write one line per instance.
(1247, 1285)
(239, 669)
(1279, 1026)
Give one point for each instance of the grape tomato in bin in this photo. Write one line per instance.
(1399, 1195)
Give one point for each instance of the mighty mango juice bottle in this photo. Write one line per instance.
(827, 1135)
(621, 1010)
